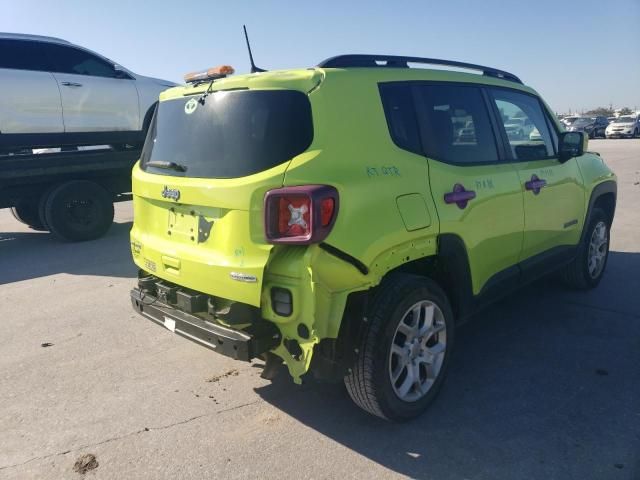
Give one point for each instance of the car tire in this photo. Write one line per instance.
(636, 133)
(26, 211)
(42, 204)
(586, 270)
(78, 210)
(408, 337)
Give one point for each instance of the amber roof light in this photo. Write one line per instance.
(214, 73)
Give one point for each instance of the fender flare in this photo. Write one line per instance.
(606, 187)
(454, 272)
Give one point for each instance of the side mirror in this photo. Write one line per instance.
(120, 73)
(571, 144)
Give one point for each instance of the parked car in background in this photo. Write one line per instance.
(518, 128)
(569, 120)
(625, 126)
(72, 124)
(535, 135)
(467, 134)
(592, 126)
(57, 93)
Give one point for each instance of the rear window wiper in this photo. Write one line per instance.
(167, 165)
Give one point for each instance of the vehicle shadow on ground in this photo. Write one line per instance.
(27, 255)
(545, 384)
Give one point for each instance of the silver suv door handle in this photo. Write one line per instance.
(71, 84)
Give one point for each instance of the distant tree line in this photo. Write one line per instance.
(608, 111)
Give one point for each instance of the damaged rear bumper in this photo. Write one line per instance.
(245, 344)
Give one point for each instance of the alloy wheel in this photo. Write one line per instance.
(598, 249)
(417, 351)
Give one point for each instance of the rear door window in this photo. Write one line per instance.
(455, 124)
(228, 134)
(22, 55)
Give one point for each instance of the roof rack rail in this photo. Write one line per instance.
(396, 61)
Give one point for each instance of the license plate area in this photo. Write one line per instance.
(188, 226)
(182, 225)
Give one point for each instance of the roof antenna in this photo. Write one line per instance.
(254, 69)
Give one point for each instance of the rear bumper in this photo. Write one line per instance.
(237, 344)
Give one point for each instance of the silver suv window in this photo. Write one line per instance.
(73, 60)
(22, 55)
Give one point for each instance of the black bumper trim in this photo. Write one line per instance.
(237, 344)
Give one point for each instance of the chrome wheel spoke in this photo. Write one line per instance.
(422, 387)
(434, 330)
(408, 382)
(406, 330)
(427, 324)
(437, 349)
(397, 372)
(401, 353)
(402, 359)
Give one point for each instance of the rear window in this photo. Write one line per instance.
(22, 55)
(397, 101)
(228, 134)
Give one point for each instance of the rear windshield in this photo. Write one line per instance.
(227, 134)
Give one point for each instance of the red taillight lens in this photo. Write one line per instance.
(326, 210)
(300, 215)
(294, 216)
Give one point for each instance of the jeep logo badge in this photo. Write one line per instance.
(172, 193)
(190, 106)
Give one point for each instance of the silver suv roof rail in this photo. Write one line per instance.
(28, 36)
(395, 61)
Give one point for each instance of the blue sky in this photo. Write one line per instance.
(577, 54)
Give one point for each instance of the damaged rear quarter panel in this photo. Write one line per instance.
(370, 173)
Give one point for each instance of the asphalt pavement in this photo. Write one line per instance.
(543, 385)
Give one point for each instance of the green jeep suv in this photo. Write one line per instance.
(344, 219)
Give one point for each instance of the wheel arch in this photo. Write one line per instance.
(603, 196)
(449, 268)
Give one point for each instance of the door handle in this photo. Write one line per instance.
(460, 196)
(71, 84)
(535, 184)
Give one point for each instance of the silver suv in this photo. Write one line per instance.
(57, 93)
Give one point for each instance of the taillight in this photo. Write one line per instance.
(300, 215)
